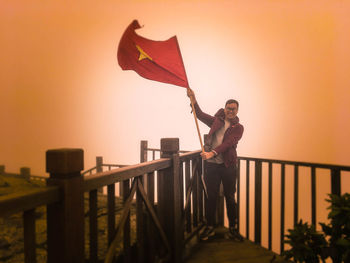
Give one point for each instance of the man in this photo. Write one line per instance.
(221, 163)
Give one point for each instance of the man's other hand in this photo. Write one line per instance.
(207, 155)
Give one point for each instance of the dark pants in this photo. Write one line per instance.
(213, 176)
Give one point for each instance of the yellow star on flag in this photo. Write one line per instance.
(143, 54)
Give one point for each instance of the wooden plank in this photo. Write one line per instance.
(313, 195)
(126, 230)
(335, 181)
(93, 225)
(110, 212)
(195, 192)
(178, 204)
(151, 230)
(150, 187)
(296, 194)
(144, 158)
(29, 236)
(258, 202)
(283, 186)
(270, 208)
(188, 196)
(182, 184)
(247, 198)
(140, 224)
(238, 193)
(201, 192)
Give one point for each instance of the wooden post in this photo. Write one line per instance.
(2, 169)
(258, 202)
(283, 191)
(25, 173)
(29, 236)
(65, 219)
(143, 151)
(141, 219)
(170, 202)
(143, 158)
(336, 181)
(149, 229)
(99, 169)
(99, 163)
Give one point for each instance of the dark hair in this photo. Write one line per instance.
(232, 101)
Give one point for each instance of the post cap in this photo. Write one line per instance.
(64, 161)
(169, 145)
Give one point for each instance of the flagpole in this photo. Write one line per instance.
(200, 140)
(196, 121)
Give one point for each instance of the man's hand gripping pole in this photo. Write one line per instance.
(191, 95)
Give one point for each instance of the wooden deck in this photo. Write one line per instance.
(220, 249)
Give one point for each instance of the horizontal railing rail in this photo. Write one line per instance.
(109, 166)
(118, 175)
(24, 173)
(19, 202)
(298, 163)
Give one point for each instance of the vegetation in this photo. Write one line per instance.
(338, 230)
(308, 245)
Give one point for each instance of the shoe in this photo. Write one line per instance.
(234, 234)
(208, 232)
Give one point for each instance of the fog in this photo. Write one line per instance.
(286, 62)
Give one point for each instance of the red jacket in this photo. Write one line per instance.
(231, 137)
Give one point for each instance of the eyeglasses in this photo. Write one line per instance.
(230, 109)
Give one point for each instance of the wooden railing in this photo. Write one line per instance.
(246, 173)
(24, 173)
(335, 183)
(169, 207)
(160, 201)
(169, 203)
(26, 203)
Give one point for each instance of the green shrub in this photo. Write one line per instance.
(308, 245)
(338, 230)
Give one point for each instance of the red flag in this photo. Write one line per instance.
(155, 60)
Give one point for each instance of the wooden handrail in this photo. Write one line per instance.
(19, 202)
(120, 174)
(307, 164)
(189, 155)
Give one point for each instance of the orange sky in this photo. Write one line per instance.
(287, 62)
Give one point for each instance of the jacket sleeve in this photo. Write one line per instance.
(231, 140)
(203, 117)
